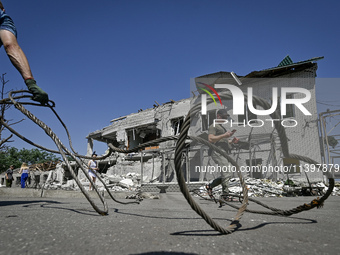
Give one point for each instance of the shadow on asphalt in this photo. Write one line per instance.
(197, 233)
(203, 232)
(162, 217)
(164, 253)
(49, 204)
(302, 221)
(88, 212)
(9, 203)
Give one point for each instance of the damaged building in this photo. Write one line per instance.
(261, 146)
(258, 151)
(153, 163)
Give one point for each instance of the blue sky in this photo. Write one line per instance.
(99, 60)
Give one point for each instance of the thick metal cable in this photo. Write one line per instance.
(79, 162)
(61, 150)
(181, 144)
(180, 147)
(7, 101)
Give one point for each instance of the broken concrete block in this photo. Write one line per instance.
(126, 183)
(145, 195)
(114, 179)
(131, 175)
(70, 184)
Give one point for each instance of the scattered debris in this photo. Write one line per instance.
(269, 188)
(47, 166)
(143, 195)
(52, 175)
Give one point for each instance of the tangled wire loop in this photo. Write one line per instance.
(64, 151)
(182, 141)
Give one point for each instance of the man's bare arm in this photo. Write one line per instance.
(215, 138)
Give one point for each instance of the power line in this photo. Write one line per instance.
(337, 105)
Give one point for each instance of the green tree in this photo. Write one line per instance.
(13, 156)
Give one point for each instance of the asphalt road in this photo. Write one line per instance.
(33, 225)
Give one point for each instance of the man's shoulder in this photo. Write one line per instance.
(212, 128)
(216, 126)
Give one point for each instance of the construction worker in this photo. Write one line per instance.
(8, 38)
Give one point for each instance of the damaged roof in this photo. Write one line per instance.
(284, 67)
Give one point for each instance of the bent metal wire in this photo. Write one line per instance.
(182, 142)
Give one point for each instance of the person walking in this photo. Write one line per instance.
(24, 171)
(220, 137)
(9, 176)
(93, 168)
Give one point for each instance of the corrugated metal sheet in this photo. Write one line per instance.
(286, 61)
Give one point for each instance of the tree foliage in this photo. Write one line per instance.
(13, 156)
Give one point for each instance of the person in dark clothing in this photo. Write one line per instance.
(219, 136)
(9, 176)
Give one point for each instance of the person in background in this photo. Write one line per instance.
(93, 167)
(8, 38)
(9, 176)
(219, 136)
(24, 171)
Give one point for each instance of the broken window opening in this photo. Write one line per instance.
(176, 125)
(140, 135)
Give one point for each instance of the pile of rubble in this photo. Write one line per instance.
(115, 183)
(46, 166)
(54, 176)
(269, 188)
